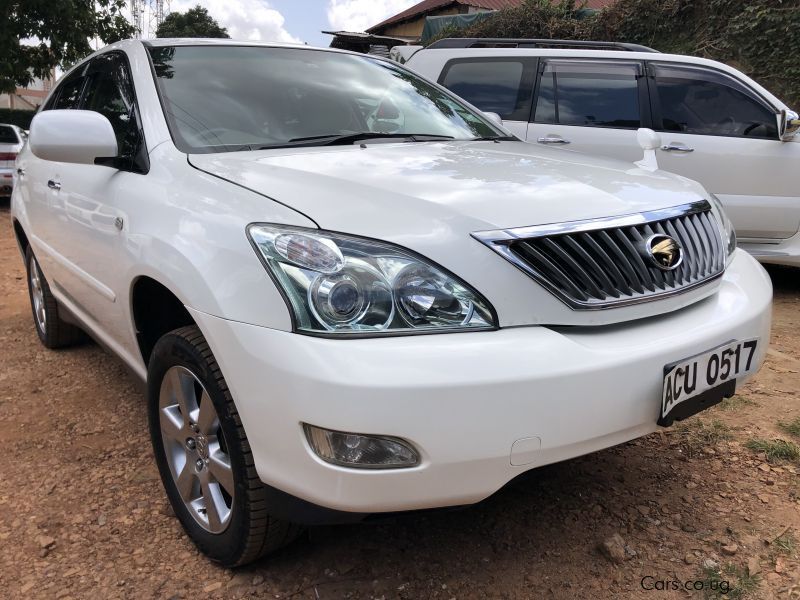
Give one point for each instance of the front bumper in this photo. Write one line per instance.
(464, 400)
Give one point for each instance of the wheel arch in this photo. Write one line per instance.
(155, 310)
(19, 234)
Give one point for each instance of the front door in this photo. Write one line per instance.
(93, 199)
(718, 131)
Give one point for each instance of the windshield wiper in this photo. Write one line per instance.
(495, 138)
(349, 138)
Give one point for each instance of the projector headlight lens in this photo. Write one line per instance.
(339, 284)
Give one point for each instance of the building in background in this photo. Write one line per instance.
(31, 97)
(409, 26)
(410, 22)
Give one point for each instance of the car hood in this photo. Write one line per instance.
(431, 196)
(376, 189)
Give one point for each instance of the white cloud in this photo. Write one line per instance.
(245, 19)
(358, 15)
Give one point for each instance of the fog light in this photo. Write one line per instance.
(360, 451)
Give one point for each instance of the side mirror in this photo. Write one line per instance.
(72, 136)
(494, 118)
(788, 124)
(649, 141)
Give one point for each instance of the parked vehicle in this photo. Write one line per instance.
(718, 126)
(11, 140)
(333, 320)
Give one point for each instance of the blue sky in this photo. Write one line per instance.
(305, 19)
(295, 20)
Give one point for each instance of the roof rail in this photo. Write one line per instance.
(534, 43)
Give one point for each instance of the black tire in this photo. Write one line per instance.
(54, 332)
(251, 532)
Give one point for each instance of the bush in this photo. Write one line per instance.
(761, 38)
(20, 118)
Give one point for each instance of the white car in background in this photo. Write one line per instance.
(718, 126)
(335, 320)
(12, 139)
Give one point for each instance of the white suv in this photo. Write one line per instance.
(350, 293)
(718, 126)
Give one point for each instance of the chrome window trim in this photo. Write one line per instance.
(499, 240)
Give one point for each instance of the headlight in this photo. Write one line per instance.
(340, 284)
(728, 232)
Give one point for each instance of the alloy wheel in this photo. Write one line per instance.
(195, 449)
(37, 294)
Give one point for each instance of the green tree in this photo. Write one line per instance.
(56, 33)
(194, 23)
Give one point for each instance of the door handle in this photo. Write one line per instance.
(54, 185)
(676, 147)
(552, 139)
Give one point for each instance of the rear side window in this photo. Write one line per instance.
(498, 86)
(705, 102)
(589, 94)
(8, 135)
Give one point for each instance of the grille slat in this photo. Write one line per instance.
(698, 253)
(713, 235)
(576, 269)
(599, 265)
(561, 277)
(705, 247)
(607, 286)
(624, 263)
(610, 268)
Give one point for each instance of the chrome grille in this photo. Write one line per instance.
(603, 263)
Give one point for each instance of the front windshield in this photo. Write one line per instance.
(221, 98)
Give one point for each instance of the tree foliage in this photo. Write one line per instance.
(194, 23)
(760, 37)
(39, 35)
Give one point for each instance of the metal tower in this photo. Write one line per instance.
(158, 10)
(149, 12)
(137, 17)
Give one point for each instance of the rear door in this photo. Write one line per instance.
(592, 106)
(502, 85)
(718, 131)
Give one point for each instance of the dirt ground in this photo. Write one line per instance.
(83, 514)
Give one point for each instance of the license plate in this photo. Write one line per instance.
(698, 382)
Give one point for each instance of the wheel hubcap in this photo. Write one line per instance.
(195, 449)
(37, 295)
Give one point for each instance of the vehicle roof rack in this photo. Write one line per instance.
(534, 43)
